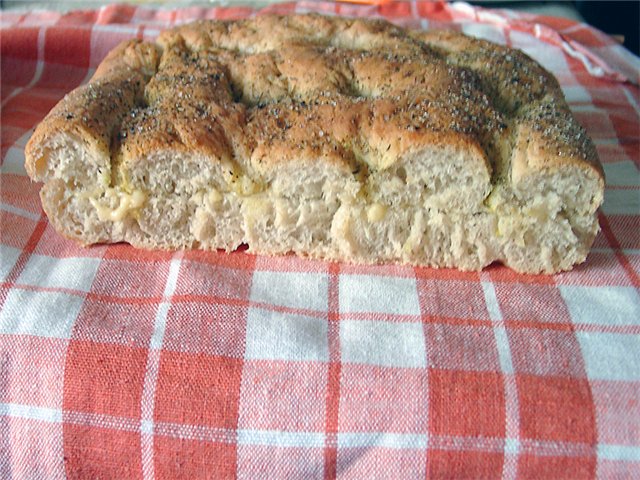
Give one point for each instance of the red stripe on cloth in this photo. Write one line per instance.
(115, 299)
(18, 43)
(438, 11)
(68, 46)
(500, 273)
(28, 108)
(278, 9)
(333, 378)
(229, 13)
(580, 327)
(78, 17)
(392, 10)
(16, 73)
(237, 259)
(198, 389)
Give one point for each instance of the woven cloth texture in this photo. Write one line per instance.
(118, 363)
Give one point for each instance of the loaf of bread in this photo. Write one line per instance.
(334, 138)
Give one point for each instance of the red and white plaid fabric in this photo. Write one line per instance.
(117, 363)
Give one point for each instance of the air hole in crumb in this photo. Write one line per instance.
(236, 92)
(402, 174)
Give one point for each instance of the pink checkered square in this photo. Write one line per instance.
(35, 446)
(616, 405)
(59, 77)
(28, 378)
(58, 42)
(207, 327)
(378, 295)
(545, 352)
(634, 262)
(20, 231)
(212, 280)
(283, 396)
(390, 344)
(380, 463)
(531, 302)
(592, 306)
(17, 191)
(8, 259)
(297, 290)
(105, 38)
(286, 336)
(131, 279)
(436, 299)
(598, 124)
(290, 263)
(459, 346)
(611, 356)
(267, 461)
(122, 322)
(625, 230)
(379, 399)
(616, 468)
(601, 269)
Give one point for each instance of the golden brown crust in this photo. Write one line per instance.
(94, 112)
(275, 89)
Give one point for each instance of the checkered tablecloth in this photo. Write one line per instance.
(117, 363)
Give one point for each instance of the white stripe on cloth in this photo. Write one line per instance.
(151, 372)
(632, 100)
(20, 212)
(628, 453)
(512, 415)
(411, 441)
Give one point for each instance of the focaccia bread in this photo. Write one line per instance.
(334, 138)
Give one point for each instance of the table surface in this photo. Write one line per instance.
(117, 363)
